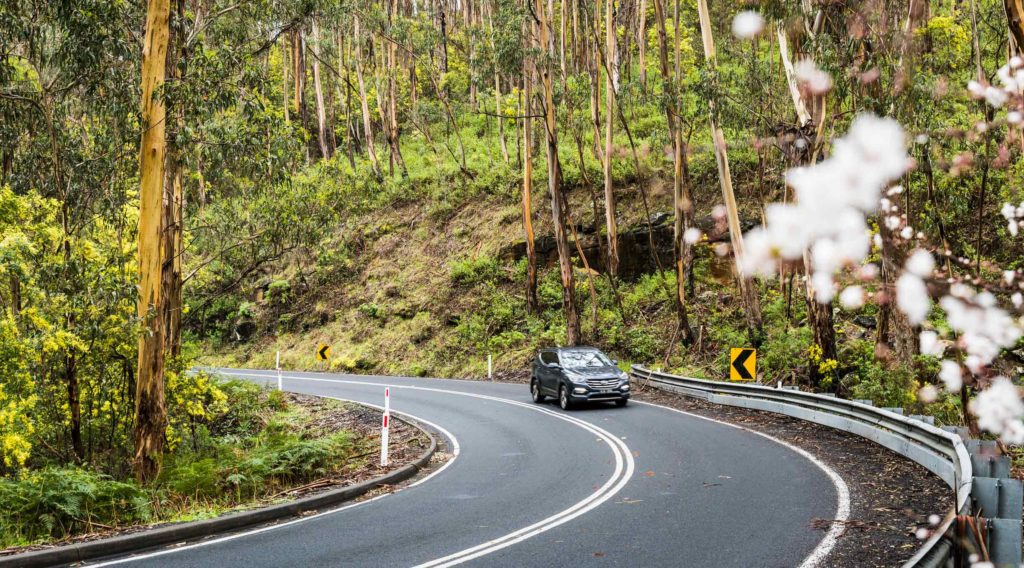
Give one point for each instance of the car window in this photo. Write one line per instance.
(548, 358)
(577, 359)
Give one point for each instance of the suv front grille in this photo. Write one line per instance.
(602, 383)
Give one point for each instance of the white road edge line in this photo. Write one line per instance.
(828, 542)
(455, 454)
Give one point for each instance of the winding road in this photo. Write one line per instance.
(531, 485)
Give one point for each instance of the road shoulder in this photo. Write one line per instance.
(890, 496)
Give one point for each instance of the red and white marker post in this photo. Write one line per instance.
(279, 377)
(384, 428)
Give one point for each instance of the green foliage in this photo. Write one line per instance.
(59, 502)
(274, 459)
(475, 270)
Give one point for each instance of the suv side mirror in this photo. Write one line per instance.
(615, 361)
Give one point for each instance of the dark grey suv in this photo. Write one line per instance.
(577, 374)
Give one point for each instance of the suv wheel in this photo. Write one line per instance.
(535, 391)
(563, 398)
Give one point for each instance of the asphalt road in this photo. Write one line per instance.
(535, 486)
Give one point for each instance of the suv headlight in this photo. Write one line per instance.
(580, 379)
(623, 376)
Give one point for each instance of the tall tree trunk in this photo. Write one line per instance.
(284, 81)
(173, 240)
(609, 192)
(563, 30)
(150, 410)
(497, 96)
(682, 203)
(748, 288)
(895, 333)
(820, 316)
(299, 62)
(393, 132)
(350, 128)
(1015, 21)
(326, 151)
(367, 124)
(641, 40)
(5, 166)
(531, 249)
(74, 398)
(595, 82)
(558, 201)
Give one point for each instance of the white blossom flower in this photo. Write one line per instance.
(920, 263)
(868, 272)
(912, 297)
(995, 97)
(852, 298)
(999, 410)
(930, 344)
(824, 287)
(692, 235)
(984, 328)
(951, 375)
(928, 394)
(748, 24)
(808, 73)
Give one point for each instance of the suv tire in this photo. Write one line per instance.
(563, 398)
(535, 391)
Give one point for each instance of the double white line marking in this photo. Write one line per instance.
(624, 468)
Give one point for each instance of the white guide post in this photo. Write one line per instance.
(279, 377)
(384, 428)
(490, 368)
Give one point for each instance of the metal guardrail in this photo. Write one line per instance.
(943, 453)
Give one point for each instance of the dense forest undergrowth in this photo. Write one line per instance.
(251, 452)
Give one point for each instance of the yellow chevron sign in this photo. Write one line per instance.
(742, 364)
(323, 352)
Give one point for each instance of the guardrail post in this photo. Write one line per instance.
(990, 466)
(1005, 542)
(997, 498)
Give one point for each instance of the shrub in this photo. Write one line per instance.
(475, 270)
(58, 502)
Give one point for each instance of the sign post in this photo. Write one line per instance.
(490, 368)
(384, 428)
(742, 364)
(278, 365)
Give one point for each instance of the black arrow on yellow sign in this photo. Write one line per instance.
(743, 364)
(323, 353)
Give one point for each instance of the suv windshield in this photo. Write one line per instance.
(578, 359)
